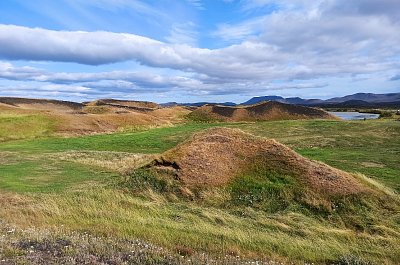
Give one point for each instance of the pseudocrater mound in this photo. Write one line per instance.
(214, 157)
(264, 111)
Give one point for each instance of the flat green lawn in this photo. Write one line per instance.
(43, 174)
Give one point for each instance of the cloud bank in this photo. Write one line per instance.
(298, 42)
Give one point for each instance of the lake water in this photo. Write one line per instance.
(354, 115)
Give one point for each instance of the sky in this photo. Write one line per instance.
(198, 50)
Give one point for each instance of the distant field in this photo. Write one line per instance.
(51, 181)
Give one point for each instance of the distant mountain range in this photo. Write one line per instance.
(197, 104)
(365, 100)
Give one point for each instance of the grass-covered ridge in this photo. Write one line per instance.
(72, 184)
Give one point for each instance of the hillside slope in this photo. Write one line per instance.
(73, 119)
(41, 104)
(269, 110)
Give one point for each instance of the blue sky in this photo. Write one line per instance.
(198, 50)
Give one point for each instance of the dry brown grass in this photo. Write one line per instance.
(114, 161)
(41, 104)
(125, 103)
(70, 124)
(113, 119)
(6, 107)
(172, 114)
(214, 157)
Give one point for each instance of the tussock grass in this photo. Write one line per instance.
(377, 185)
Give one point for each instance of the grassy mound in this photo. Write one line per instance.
(128, 104)
(268, 110)
(41, 104)
(214, 157)
(230, 168)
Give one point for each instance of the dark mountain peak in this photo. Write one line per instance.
(256, 100)
(367, 97)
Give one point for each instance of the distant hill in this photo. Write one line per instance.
(355, 100)
(41, 104)
(127, 104)
(256, 100)
(367, 97)
(197, 104)
(267, 110)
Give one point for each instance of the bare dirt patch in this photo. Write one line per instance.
(373, 164)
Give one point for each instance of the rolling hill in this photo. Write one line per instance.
(269, 110)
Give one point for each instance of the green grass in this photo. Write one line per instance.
(369, 147)
(144, 141)
(347, 145)
(17, 126)
(271, 192)
(46, 175)
(38, 189)
(288, 235)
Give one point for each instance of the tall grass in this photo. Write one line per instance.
(285, 236)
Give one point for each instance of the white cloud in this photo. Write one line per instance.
(241, 30)
(183, 33)
(196, 3)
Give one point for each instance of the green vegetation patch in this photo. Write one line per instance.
(144, 179)
(265, 189)
(14, 126)
(46, 175)
(145, 141)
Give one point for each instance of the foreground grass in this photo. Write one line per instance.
(290, 235)
(38, 188)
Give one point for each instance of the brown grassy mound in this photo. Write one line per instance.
(126, 104)
(174, 114)
(214, 157)
(41, 104)
(70, 124)
(107, 119)
(268, 110)
(6, 107)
